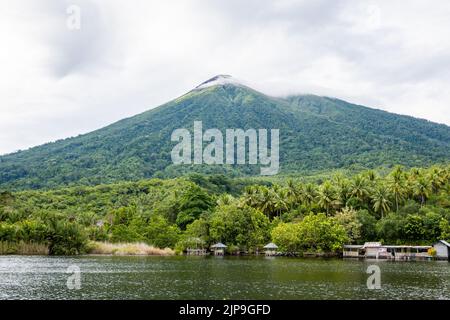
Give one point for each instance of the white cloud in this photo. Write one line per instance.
(129, 57)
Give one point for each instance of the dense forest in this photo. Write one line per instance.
(402, 206)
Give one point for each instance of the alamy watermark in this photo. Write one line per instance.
(231, 150)
(374, 280)
(74, 280)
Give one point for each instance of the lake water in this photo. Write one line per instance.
(112, 277)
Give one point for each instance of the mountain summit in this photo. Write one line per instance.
(220, 79)
(316, 133)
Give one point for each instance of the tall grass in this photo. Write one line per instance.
(123, 249)
(23, 248)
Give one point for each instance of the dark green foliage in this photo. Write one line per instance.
(315, 233)
(414, 227)
(194, 202)
(179, 213)
(240, 226)
(62, 237)
(65, 238)
(368, 223)
(390, 229)
(160, 233)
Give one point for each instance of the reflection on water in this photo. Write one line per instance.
(107, 277)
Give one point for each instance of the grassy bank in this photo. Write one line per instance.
(23, 248)
(120, 249)
(123, 249)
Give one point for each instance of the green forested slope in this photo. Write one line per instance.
(317, 133)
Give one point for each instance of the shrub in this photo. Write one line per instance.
(124, 233)
(242, 226)
(160, 233)
(348, 218)
(66, 238)
(322, 234)
(8, 232)
(286, 236)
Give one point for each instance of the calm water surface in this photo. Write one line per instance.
(108, 277)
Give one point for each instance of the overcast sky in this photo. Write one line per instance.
(130, 56)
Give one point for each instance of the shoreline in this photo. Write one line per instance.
(309, 257)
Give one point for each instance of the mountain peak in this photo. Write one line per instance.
(220, 79)
(318, 134)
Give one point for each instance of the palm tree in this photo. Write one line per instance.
(225, 199)
(344, 191)
(371, 176)
(293, 193)
(446, 188)
(414, 173)
(447, 174)
(279, 198)
(252, 197)
(327, 196)
(437, 177)
(396, 185)
(359, 188)
(267, 201)
(422, 189)
(338, 178)
(380, 199)
(308, 194)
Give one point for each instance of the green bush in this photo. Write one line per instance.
(66, 238)
(242, 226)
(8, 232)
(316, 232)
(124, 233)
(160, 233)
(322, 234)
(287, 237)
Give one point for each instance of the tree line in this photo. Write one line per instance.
(403, 206)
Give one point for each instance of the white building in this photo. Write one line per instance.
(375, 250)
(442, 248)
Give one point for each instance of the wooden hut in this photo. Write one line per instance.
(196, 247)
(353, 251)
(219, 249)
(270, 249)
(373, 249)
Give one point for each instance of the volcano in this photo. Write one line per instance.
(316, 133)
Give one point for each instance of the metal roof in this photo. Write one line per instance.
(271, 246)
(372, 244)
(353, 246)
(379, 245)
(444, 242)
(218, 245)
(412, 247)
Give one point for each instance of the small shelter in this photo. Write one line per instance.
(271, 249)
(195, 247)
(219, 249)
(373, 249)
(442, 248)
(353, 251)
